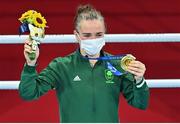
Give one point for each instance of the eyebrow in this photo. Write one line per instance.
(91, 33)
(100, 33)
(86, 33)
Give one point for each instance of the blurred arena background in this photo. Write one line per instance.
(122, 16)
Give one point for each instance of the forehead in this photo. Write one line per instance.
(92, 26)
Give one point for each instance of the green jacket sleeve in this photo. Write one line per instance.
(33, 85)
(136, 96)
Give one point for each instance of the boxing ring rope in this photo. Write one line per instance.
(114, 38)
(152, 83)
(69, 38)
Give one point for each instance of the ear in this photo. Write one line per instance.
(76, 36)
(75, 32)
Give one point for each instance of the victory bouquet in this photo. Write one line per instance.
(34, 23)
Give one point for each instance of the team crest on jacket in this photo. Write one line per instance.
(109, 76)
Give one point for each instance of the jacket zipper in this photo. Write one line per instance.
(93, 98)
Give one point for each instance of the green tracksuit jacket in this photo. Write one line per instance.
(85, 93)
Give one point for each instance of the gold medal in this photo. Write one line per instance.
(126, 60)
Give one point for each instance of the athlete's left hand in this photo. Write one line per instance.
(137, 68)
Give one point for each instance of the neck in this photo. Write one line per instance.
(92, 62)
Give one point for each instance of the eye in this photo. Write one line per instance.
(87, 35)
(99, 34)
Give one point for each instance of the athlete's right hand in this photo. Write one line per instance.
(27, 50)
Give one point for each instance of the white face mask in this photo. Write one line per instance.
(92, 46)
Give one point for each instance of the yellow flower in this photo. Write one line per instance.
(27, 16)
(34, 18)
(39, 20)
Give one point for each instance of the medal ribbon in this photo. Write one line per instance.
(108, 64)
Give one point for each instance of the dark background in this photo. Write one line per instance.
(121, 16)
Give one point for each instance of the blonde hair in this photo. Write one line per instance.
(86, 12)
